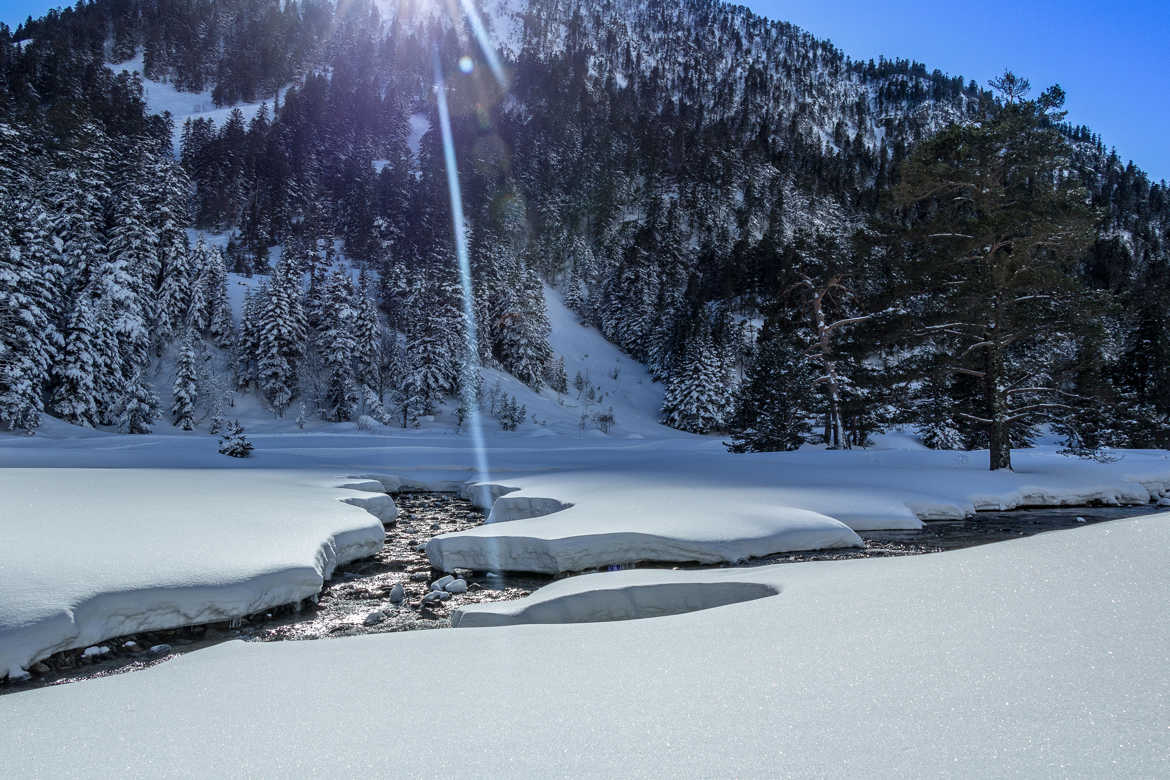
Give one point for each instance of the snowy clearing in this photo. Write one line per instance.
(1008, 659)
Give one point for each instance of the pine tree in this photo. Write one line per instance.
(75, 399)
(338, 346)
(234, 443)
(29, 341)
(555, 376)
(1004, 228)
(139, 407)
(280, 338)
(184, 390)
(698, 396)
(776, 401)
(934, 408)
(367, 353)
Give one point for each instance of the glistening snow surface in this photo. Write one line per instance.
(165, 510)
(1040, 657)
(97, 553)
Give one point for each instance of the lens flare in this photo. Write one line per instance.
(469, 390)
(485, 42)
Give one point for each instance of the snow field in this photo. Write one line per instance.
(1039, 657)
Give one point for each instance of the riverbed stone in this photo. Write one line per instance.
(397, 593)
(456, 586)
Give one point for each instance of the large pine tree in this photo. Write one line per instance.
(1002, 227)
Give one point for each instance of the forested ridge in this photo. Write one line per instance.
(731, 201)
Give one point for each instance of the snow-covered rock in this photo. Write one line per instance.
(381, 507)
(614, 522)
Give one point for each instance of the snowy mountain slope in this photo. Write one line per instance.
(1022, 665)
(162, 97)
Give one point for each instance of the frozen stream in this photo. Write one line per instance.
(358, 600)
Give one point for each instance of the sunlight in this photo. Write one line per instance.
(467, 390)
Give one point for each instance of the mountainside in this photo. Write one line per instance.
(672, 168)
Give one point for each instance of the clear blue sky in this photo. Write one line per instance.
(1113, 58)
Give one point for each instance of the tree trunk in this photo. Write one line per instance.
(1000, 444)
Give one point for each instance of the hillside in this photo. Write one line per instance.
(669, 168)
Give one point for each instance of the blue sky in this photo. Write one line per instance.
(1113, 59)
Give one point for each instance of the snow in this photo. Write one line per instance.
(95, 553)
(419, 126)
(162, 97)
(159, 529)
(1039, 657)
(615, 521)
(626, 595)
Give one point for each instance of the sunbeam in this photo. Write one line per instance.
(468, 389)
(485, 42)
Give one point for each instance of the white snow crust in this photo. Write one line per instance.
(1041, 657)
(91, 554)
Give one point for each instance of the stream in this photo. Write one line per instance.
(359, 597)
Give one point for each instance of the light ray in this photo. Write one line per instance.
(468, 391)
(485, 41)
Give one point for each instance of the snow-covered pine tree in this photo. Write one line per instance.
(367, 355)
(139, 406)
(247, 345)
(184, 390)
(210, 310)
(436, 344)
(522, 333)
(77, 196)
(280, 337)
(934, 409)
(776, 400)
(75, 398)
(29, 341)
(698, 396)
(234, 443)
(555, 376)
(337, 347)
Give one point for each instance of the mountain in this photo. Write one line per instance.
(669, 167)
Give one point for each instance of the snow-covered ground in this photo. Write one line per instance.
(95, 553)
(1040, 657)
(166, 512)
(1044, 656)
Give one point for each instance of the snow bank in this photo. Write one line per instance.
(1040, 657)
(625, 595)
(96, 553)
(644, 517)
